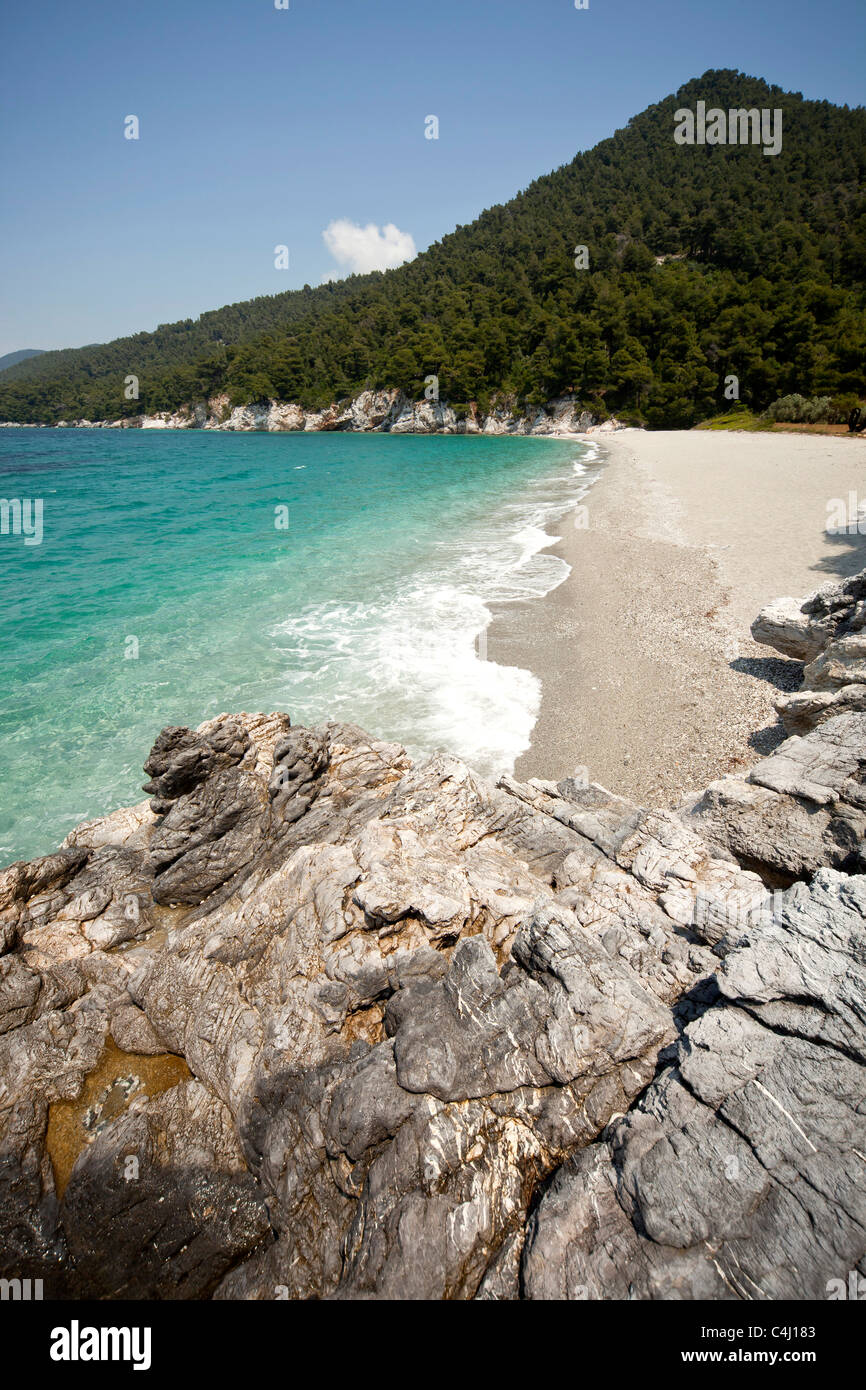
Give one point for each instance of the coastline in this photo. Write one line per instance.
(308, 620)
(650, 678)
(409, 942)
(386, 411)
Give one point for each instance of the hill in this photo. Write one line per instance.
(705, 261)
(11, 359)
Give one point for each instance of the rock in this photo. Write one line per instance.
(784, 626)
(803, 629)
(781, 837)
(799, 809)
(806, 709)
(180, 759)
(841, 663)
(169, 1181)
(448, 1039)
(816, 767)
(285, 417)
(372, 410)
(374, 970)
(19, 991)
(811, 809)
(424, 417)
(210, 801)
(385, 410)
(737, 1174)
(132, 1032)
(41, 1062)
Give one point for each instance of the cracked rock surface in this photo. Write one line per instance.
(739, 1174)
(319, 1022)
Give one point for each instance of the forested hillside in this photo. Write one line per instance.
(766, 281)
(11, 359)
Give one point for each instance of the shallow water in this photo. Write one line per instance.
(165, 590)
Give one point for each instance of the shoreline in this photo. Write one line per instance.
(650, 679)
(275, 623)
(385, 411)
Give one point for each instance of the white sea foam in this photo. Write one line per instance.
(410, 664)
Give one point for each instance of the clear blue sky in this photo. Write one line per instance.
(261, 127)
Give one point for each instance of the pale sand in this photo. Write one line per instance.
(650, 679)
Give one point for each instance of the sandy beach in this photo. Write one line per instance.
(650, 678)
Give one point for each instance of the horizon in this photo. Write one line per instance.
(112, 236)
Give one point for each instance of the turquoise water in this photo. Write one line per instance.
(164, 591)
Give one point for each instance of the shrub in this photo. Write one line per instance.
(800, 410)
(841, 407)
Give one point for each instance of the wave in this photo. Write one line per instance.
(411, 663)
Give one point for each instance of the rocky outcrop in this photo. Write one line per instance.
(738, 1175)
(320, 1022)
(386, 411)
(804, 807)
(798, 810)
(826, 631)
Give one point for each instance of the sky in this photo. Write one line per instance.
(304, 128)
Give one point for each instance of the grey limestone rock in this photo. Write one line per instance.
(739, 1172)
(803, 628)
(425, 1037)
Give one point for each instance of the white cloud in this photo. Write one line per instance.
(358, 249)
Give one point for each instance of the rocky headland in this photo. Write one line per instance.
(318, 1022)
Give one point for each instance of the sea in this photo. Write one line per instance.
(169, 576)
